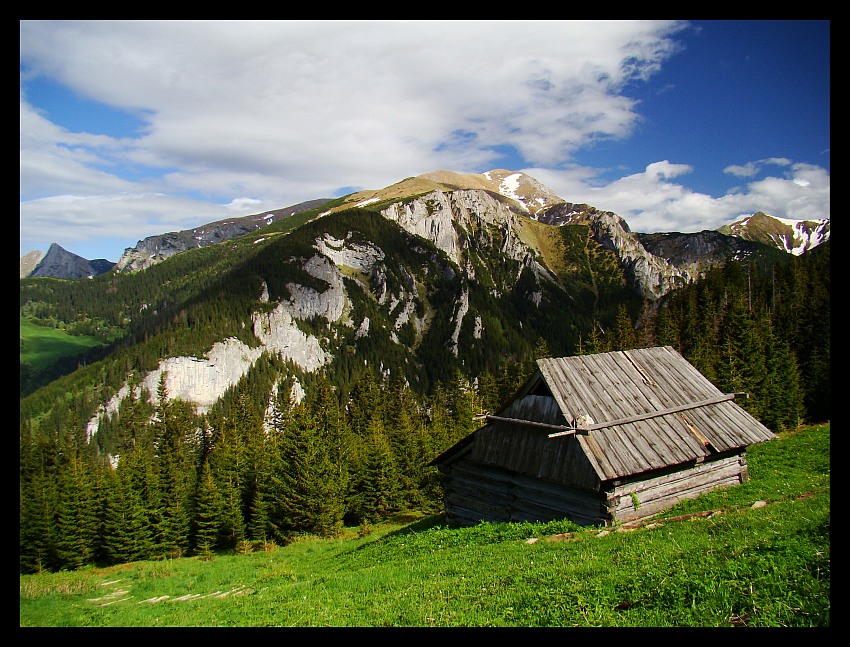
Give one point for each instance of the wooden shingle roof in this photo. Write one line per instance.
(640, 410)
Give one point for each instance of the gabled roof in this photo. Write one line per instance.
(630, 411)
(688, 417)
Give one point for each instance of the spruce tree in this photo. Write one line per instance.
(76, 517)
(488, 392)
(623, 333)
(781, 393)
(741, 360)
(665, 328)
(207, 520)
(171, 429)
(405, 431)
(381, 487)
(129, 520)
(38, 502)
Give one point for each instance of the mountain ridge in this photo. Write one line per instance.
(527, 195)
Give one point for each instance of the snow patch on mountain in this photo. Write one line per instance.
(805, 237)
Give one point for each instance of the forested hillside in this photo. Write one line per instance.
(263, 466)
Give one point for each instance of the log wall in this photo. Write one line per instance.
(661, 492)
(474, 492)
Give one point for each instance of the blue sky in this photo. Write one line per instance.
(136, 128)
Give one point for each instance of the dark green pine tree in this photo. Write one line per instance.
(128, 529)
(171, 429)
(488, 392)
(229, 465)
(261, 528)
(39, 455)
(265, 458)
(704, 342)
(291, 484)
(77, 524)
(312, 487)
(132, 415)
(405, 431)
(365, 401)
(207, 520)
(439, 425)
(812, 343)
(665, 328)
(594, 342)
(242, 441)
(380, 491)
(463, 407)
(645, 328)
(623, 332)
(232, 527)
(741, 358)
(781, 392)
(38, 502)
(332, 447)
(273, 502)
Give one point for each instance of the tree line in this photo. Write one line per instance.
(191, 485)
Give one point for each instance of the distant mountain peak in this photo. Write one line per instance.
(789, 235)
(61, 264)
(527, 193)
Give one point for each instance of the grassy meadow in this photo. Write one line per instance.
(42, 346)
(755, 555)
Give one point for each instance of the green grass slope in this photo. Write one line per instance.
(755, 555)
(41, 347)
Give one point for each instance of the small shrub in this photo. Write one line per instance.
(205, 553)
(244, 547)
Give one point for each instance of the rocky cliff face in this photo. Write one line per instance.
(653, 275)
(29, 262)
(698, 252)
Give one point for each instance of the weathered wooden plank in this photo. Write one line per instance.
(560, 500)
(646, 416)
(675, 476)
(531, 423)
(534, 514)
(628, 513)
(473, 490)
(609, 381)
(564, 461)
(604, 468)
(570, 389)
(681, 488)
(486, 508)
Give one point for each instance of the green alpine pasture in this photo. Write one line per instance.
(41, 346)
(755, 555)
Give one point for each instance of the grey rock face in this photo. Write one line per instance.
(62, 264)
(154, 249)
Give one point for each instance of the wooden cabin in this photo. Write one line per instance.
(600, 439)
